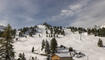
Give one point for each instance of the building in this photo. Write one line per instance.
(61, 56)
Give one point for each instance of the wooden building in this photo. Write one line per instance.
(61, 57)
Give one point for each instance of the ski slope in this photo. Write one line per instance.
(80, 42)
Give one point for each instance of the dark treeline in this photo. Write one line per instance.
(27, 31)
(97, 32)
(54, 30)
(59, 30)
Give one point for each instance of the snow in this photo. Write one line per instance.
(103, 26)
(63, 54)
(2, 27)
(87, 44)
(63, 50)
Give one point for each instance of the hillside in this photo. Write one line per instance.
(2, 27)
(84, 43)
(103, 26)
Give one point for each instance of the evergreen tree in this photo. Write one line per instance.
(33, 58)
(53, 45)
(32, 49)
(100, 43)
(43, 45)
(48, 57)
(6, 48)
(39, 35)
(21, 57)
(63, 32)
(70, 49)
(47, 47)
(14, 33)
(46, 32)
(30, 34)
(20, 34)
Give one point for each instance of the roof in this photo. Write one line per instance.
(62, 50)
(63, 54)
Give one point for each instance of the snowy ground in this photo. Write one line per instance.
(86, 44)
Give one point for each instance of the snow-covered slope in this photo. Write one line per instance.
(2, 27)
(86, 44)
(103, 26)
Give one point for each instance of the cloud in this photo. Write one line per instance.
(3, 22)
(30, 12)
(17, 11)
(83, 13)
(69, 14)
(91, 15)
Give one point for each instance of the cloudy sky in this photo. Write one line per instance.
(83, 13)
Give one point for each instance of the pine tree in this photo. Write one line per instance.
(46, 32)
(32, 49)
(100, 43)
(21, 57)
(43, 45)
(30, 34)
(6, 48)
(48, 57)
(47, 47)
(63, 32)
(39, 35)
(20, 34)
(33, 58)
(70, 49)
(14, 33)
(53, 45)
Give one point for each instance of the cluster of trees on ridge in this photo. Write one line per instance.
(95, 31)
(54, 30)
(27, 31)
(52, 48)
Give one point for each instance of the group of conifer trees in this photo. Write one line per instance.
(96, 31)
(6, 44)
(100, 43)
(49, 48)
(27, 31)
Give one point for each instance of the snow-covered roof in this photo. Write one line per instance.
(63, 54)
(62, 50)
